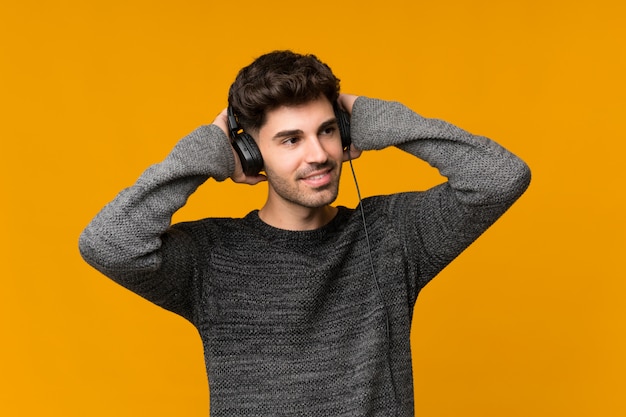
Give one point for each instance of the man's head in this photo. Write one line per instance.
(285, 102)
(279, 78)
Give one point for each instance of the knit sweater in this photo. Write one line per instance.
(300, 323)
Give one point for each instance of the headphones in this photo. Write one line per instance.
(248, 151)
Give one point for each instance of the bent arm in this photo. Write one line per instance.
(484, 180)
(125, 239)
(478, 169)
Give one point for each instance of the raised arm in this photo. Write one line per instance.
(484, 180)
(125, 239)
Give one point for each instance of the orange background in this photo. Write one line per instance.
(530, 321)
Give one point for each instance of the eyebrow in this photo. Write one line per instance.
(296, 132)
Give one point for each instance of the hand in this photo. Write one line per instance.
(346, 101)
(238, 176)
(351, 153)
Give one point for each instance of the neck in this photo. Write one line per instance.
(294, 217)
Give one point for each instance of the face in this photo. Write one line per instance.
(302, 154)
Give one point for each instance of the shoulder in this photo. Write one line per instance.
(212, 226)
(386, 204)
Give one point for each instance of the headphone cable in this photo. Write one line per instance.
(379, 291)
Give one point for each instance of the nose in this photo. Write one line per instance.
(315, 151)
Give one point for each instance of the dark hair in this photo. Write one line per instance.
(279, 78)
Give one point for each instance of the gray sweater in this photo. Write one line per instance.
(292, 322)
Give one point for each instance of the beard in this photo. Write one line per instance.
(294, 191)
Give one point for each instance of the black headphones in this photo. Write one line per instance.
(248, 152)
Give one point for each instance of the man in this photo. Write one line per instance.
(303, 308)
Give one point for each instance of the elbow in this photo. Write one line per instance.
(514, 179)
(90, 251)
(501, 184)
(99, 252)
(112, 256)
(521, 179)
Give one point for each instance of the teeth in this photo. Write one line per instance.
(316, 177)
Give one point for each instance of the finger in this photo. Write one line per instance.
(221, 120)
(257, 179)
(346, 101)
(351, 153)
(250, 179)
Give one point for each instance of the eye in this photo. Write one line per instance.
(291, 140)
(329, 130)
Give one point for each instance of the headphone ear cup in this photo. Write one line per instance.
(249, 154)
(343, 120)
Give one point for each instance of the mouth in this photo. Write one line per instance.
(318, 178)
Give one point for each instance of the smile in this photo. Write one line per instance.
(318, 179)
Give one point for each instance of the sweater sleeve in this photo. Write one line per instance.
(483, 181)
(126, 238)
